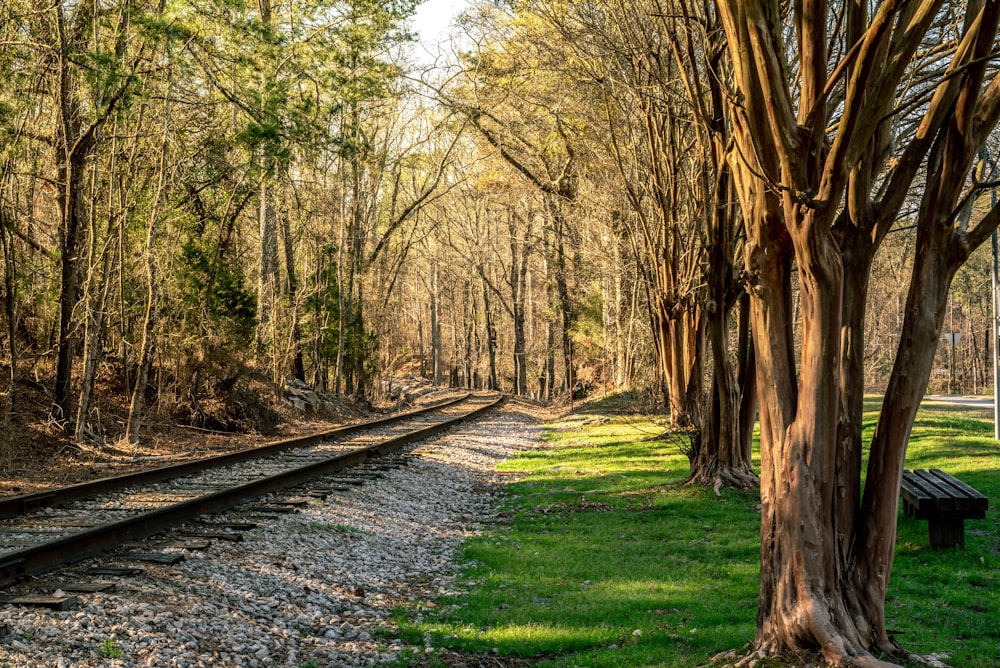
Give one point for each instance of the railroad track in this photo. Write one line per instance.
(43, 531)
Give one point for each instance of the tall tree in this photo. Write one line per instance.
(75, 36)
(656, 73)
(826, 549)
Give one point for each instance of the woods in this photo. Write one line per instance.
(175, 175)
(739, 210)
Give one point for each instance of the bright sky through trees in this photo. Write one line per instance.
(433, 16)
(432, 22)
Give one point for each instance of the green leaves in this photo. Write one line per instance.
(287, 73)
(217, 285)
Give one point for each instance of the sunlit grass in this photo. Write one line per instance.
(609, 559)
(950, 600)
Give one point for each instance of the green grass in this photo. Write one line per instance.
(110, 649)
(950, 600)
(607, 559)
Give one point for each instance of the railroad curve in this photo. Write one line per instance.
(42, 531)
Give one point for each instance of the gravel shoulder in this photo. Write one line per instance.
(317, 586)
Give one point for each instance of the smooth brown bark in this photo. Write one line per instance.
(825, 559)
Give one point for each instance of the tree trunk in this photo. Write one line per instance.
(437, 372)
(547, 377)
(723, 456)
(491, 335)
(747, 380)
(470, 333)
(146, 342)
(267, 279)
(520, 355)
(93, 346)
(876, 536)
(659, 332)
(71, 175)
(420, 341)
(267, 284)
(682, 331)
(10, 305)
(517, 281)
(858, 254)
(567, 313)
(798, 609)
(320, 316)
(298, 364)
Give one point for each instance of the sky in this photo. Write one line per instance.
(433, 17)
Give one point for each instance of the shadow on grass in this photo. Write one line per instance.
(610, 560)
(625, 403)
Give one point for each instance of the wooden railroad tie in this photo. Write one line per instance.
(115, 571)
(944, 501)
(231, 536)
(42, 601)
(84, 587)
(166, 558)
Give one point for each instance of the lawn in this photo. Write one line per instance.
(604, 557)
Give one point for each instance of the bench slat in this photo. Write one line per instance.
(977, 499)
(951, 495)
(944, 501)
(935, 493)
(932, 497)
(941, 484)
(912, 493)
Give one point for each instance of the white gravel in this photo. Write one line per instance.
(314, 587)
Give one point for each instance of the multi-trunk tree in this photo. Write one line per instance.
(816, 193)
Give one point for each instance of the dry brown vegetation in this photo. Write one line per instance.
(36, 453)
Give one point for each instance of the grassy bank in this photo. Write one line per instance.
(603, 557)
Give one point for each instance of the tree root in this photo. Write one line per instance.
(729, 477)
(768, 657)
(932, 660)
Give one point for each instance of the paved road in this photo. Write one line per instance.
(971, 401)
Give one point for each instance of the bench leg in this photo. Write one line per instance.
(908, 510)
(946, 533)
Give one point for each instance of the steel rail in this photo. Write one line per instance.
(13, 506)
(38, 559)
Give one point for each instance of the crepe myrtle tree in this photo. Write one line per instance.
(808, 105)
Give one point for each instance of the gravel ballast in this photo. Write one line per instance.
(312, 587)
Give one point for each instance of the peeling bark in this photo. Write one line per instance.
(826, 554)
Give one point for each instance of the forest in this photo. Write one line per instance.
(734, 209)
(195, 192)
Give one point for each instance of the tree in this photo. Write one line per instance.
(144, 358)
(77, 126)
(826, 551)
(513, 221)
(511, 89)
(651, 74)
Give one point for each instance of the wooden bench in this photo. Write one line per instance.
(944, 501)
